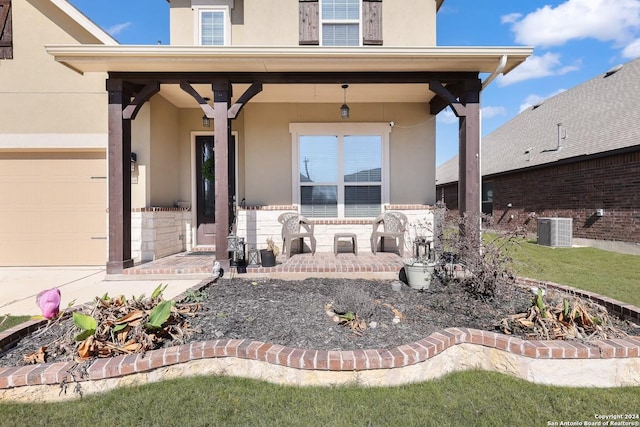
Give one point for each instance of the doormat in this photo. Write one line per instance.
(201, 253)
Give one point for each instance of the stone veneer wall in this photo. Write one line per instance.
(257, 223)
(159, 232)
(600, 363)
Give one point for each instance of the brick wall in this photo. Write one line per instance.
(572, 190)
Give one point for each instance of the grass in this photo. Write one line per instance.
(607, 273)
(465, 398)
(8, 321)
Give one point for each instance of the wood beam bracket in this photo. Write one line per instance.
(458, 108)
(131, 111)
(252, 91)
(206, 107)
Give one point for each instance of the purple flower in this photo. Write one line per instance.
(49, 302)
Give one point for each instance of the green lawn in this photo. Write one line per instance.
(462, 399)
(607, 273)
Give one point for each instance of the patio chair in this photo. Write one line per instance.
(394, 225)
(283, 218)
(297, 227)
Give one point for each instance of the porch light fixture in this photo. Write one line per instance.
(344, 108)
(206, 121)
(134, 160)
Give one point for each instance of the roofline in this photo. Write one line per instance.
(569, 160)
(86, 58)
(85, 22)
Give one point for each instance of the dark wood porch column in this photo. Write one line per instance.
(469, 189)
(222, 129)
(119, 160)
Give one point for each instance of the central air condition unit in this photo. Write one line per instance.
(555, 231)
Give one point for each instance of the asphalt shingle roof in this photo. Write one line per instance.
(600, 115)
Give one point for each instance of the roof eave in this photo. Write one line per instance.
(161, 58)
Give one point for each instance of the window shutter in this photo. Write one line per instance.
(309, 21)
(372, 22)
(6, 37)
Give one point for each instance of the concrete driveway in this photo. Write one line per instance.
(20, 285)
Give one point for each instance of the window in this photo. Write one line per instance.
(214, 26)
(487, 197)
(340, 22)
(340, 170)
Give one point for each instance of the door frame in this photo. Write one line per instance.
(194, 190)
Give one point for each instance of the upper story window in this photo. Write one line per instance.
(214, 26)
(6, 30)
(340, 22)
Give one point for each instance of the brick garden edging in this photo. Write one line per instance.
(603, 363)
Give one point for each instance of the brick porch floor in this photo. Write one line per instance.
(382, 264)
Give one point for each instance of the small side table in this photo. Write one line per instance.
(352, 236)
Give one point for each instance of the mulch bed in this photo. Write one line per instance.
(301, 314)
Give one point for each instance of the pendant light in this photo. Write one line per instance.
(344, 108)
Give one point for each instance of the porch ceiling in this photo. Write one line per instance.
(309, 93)
(272, 65)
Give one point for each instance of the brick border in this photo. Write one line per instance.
(325, 360)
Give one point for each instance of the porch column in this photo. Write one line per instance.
(469, 191)
(222, 128)
(119, 165)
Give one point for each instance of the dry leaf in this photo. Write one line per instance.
(38, 356)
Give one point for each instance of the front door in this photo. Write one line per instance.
(205, 188)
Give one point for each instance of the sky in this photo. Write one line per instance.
(573, 40)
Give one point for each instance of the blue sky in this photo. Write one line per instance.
(574, 41)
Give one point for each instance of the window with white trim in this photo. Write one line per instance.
(340, 172)
(340, 22)
(214, 26)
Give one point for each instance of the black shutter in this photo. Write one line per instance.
(6, 36)
(372, 22)
(309, 21)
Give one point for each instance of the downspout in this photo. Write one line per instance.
(488, 80)
(498, 70)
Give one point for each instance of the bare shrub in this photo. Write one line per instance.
(351, 299)
(484, 263)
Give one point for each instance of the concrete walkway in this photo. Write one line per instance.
(20, 285)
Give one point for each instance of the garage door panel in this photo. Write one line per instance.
(55, 209)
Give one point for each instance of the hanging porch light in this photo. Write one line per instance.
(344, 108)
(206, 121)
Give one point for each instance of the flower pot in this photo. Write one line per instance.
(418, 274)
(267, 258)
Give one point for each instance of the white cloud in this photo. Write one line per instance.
(489, 112)
(510, 18)
(118, 28)
(446, 117)
(605, 20)
(534, 99)
(632, 50)
(535, 67)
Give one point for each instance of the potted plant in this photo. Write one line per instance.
(419, 268)
(268, 255)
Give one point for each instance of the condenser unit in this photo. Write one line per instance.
(555, 231)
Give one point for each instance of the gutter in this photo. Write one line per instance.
(498, 71)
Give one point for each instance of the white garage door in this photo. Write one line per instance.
(53, 209)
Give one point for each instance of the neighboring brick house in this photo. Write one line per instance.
(575, 155)
(120, 129)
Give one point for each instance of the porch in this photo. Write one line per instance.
(199, 264)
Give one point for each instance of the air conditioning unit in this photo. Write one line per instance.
(555, 232)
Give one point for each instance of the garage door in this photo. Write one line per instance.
(53, 209)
